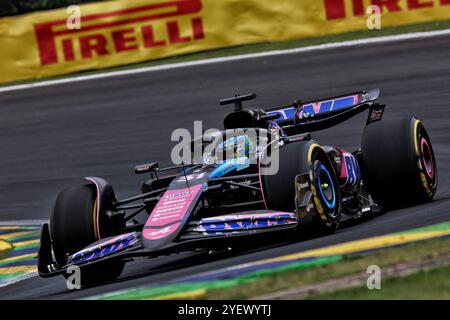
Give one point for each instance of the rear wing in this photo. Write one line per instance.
(307, 116)
(328, 112)
(325, 106)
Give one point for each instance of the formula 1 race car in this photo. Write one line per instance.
(293, 183)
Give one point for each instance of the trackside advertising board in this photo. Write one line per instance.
(114, 33)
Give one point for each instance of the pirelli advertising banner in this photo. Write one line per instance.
(114, 33)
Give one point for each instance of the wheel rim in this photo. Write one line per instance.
(427, 158)
(326, 186)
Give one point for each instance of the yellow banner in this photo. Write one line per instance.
(44, 44)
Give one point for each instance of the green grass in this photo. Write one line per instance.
(425, 285)
(268, 46)
(350, 265)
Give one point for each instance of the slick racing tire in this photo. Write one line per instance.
(298, 158)
(399, 165)
(73, 227)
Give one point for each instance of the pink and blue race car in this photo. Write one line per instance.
(213, 203)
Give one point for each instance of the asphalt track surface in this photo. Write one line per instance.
(52, 136)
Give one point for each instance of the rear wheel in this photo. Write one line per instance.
(326, 193)
(298, 158)
(399, 163)
(73, 226)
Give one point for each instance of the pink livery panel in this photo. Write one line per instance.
(168, 215)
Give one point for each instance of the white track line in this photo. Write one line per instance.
(18, 279)
(23, 223)
(328, 46)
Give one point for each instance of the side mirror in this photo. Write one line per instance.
(147, 167)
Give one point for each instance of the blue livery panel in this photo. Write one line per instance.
(314, 108)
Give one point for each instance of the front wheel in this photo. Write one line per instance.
(74, 224)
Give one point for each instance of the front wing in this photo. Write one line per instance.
(207, 233)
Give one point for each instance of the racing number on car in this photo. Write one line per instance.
(353, 173)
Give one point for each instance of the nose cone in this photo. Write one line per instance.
(170, 214)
